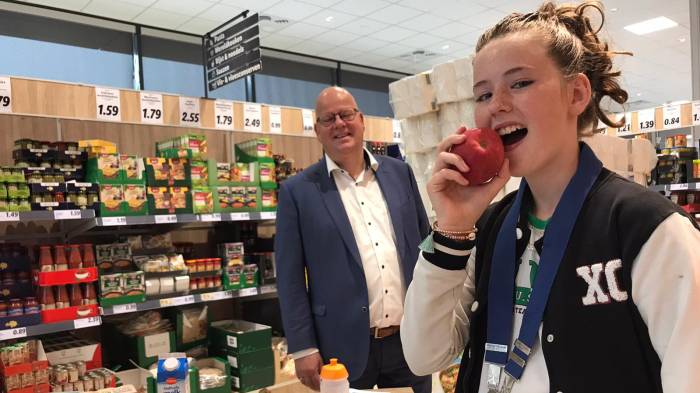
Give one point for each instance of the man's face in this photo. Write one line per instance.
(339, 137)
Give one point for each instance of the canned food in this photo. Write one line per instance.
(73, 374)
(88, 384)
(60, 375)
(82, 368)
(16, 307)
(41, 376)
(56, 388)
(78, 386)
(27, 379)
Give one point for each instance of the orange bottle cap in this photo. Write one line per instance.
(334, 371)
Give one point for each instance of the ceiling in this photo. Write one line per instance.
(386, 33)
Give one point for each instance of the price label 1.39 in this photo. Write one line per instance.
(252, 117)
(107, 103)
(5, 94)
(646, 120)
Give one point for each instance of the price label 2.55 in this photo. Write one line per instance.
(189, 111)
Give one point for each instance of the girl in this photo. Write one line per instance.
(581, 281)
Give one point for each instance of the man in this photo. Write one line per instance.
(352, 222)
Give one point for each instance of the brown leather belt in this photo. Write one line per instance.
(383, 332)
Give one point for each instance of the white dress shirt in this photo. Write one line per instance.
(373, 230)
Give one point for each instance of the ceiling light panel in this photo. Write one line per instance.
(338, 18)
(302, 30)
(651, 25)
(160, 18)
(360, 7)
(294, 10)
(117, 9)
(394, 14)
(184, 7)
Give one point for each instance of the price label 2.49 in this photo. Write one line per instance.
(252, 117)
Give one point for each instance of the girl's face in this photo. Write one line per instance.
(521, 93)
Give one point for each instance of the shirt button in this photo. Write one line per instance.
(364, 309)
(387, 315)
(369, 223)
(382, 266)
(475, 306)
(386, 291)
(376, 244)
(518, 233)
(362, 203)
(550, 338)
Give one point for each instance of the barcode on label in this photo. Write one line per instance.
(232, 341)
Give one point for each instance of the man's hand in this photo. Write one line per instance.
(308, 370)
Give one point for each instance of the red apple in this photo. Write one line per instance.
(482, 151)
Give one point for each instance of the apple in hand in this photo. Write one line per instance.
(482, 151)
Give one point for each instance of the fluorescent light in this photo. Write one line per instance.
(613, 9)
(445, 47)
(329, 19)
(651, 25)
(682, 39)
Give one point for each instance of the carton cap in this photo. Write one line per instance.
(334, 371)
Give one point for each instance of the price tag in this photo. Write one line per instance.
(157, 344)
(396, 131)
(151, 108)
(87, 322)
(113, 221)
(5, 95)
(679, 187)
(236, 381)
(67, 214)
(232, 341)
(179, 301)
(189, 112)
(211, 296)
(233, 361)
(107, 104)
(9, 216)
(124, 308)
(646, 120)
(268, 215)
(248, 292)
(268, 289)
(275, 120)
(627, 128)
(10, 334)
(166, 219)
(223, 114)
(696, 113)
(240, 216)
(672, 116)
(210, 217)
(307, 118)
(252, 117)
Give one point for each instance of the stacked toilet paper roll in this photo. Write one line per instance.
(421, 133)
(444, 80)
(464, 78)
(412, 96)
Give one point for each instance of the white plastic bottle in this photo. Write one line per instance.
(334, 378)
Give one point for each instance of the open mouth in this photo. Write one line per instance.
(512, 134)
(341, 136)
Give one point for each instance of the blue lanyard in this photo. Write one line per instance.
(502, 280)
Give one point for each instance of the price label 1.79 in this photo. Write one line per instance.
(151, 108)
(223, 114)
(107, 102)
(252, 117)
(672, 116)
(189, 111)
(307, 119)
(5, 94)
(275, 119)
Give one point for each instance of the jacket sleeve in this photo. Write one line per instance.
(291, 275)
(435, 325)
(666, 291)
(423, 223)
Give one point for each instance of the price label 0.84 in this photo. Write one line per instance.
(151, 108)
(189, 112)
(275, 120)
(223, 114)
(307, 119)
(252, 117)
(107, 104)
(646, 120)
(5, 94)
(672, 116)
(696, 113)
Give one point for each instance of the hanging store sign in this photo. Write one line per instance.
(232, 53)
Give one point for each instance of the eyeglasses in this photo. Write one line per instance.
(346, 115)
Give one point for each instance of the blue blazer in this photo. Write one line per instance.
(313, 232)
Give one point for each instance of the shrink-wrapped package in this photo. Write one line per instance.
(421, 133)
(464, 75)
(412, 96)
(444, 79)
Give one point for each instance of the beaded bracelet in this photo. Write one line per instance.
(460, 236)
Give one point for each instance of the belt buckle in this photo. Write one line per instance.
(376, 333)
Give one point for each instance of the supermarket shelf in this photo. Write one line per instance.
(46, 215)
(46, 328)
(263, 291)
(676, 187)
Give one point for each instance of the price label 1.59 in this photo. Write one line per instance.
(223, 114)
(113, 221)
(151, 108)
(189, 111)
(5, 95)
(67, 214)
(107, 103)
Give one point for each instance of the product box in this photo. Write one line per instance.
(252, 199)
(268, 179)
(199, 364)
(15, 321)
(191, 326)
(169, 200)
(122, 288)
(253, 150)
(268, 200)
(250, 362)
(192, 145)
(223, 174)
(202, 200)
(164, 172)
(111, 198)
(98, 146)
(133, 170)
(81, 190)
(223, 199)
(66, 277)
(143, 350)
(238, 199)
(231, 253)
(104, 169)
(199, 173)
(67, 348)
(135, 201)
(245, 173)
(233, 277)
(26, 373)
(69, 313)
(255, 380)
(249, 278)
(239, 337)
